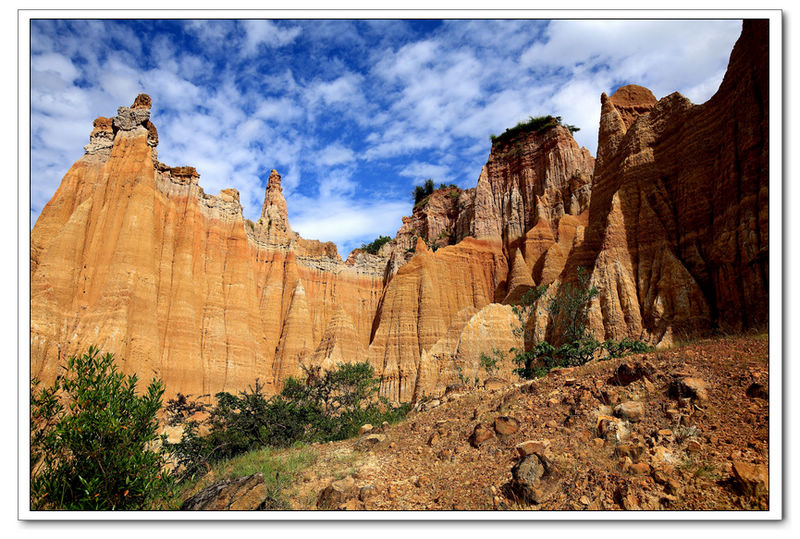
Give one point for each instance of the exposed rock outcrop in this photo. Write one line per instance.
(456, 357)
(421, 301)
(678, 229)
(241, 494)
(133, 256)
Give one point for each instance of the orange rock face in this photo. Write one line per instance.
(533, 178)
(422, 300)
(677, 234)
(456, 357)
(133, 256)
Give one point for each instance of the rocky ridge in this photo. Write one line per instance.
(133, 255)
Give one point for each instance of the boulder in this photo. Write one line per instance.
(533, 447)
(337, 493)
(633, 411)
(241, 494)
(369, 441)
(534, 479)
(688, 387)
(632, 451)
(494, 383)
(367, 492)
(627, 373)
(480, 434)
(506, 425)
(752, 479)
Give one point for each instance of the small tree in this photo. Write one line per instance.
(421, 192)
(94, 442)
(326, 405)
(568, 307)
(375, 245)
(567, 313)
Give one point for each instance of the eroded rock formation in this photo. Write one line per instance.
(424, 298)
(133, 256)
(671, 222)
(678, 228)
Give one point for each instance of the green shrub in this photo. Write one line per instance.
(570, 346)
(375, 245)
(566, 310)
(238, 424)
(94, 442)
(625, 346)
(489, 363)
(325, 406)
(421, 192)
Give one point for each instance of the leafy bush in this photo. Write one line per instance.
(568, 308)
(571, 346)
(421, 192)
(375, 245)
(567, 313)
(329, 405)
(94, 442)
(236, 425)
(489, 363)
(625, 346)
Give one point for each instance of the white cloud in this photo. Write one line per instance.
(346, 222)
(420, 172)
(344, 90)
(334, 154)
(405, 64)
(280, 110)
(55, 63)
(211, 32)
(258, 32)
(337, 182)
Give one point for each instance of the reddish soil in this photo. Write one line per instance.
(679, 456)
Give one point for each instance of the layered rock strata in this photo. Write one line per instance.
(423, 299)
(133, 256)
(529, 182)
(678, 230)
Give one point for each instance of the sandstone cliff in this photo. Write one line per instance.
(678, 222)
(538, 182)
(422, 300)
(133, 256)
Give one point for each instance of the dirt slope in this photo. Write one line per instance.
(701, 443)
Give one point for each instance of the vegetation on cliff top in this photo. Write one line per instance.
(375, 245)
(421, 193)
(534, 124)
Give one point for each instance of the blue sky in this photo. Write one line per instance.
(353, 114)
